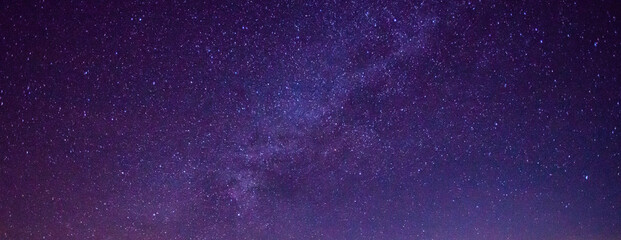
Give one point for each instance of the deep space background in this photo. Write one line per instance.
(310, 120)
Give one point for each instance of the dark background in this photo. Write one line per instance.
(317, 120)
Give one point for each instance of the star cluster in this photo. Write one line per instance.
(310, 120)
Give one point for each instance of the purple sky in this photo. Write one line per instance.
(318, 120)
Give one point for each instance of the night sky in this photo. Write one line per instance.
(317, 120)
